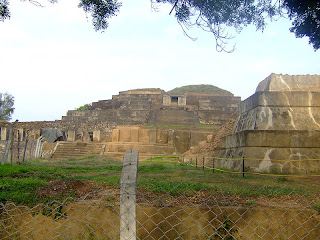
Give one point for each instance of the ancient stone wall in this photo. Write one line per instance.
(174, 117)
(117, 117)
(18, 150)
(280, 110)
(81, 129)
(154, 140)
(138, 107)
(135, 107)
(278, 128)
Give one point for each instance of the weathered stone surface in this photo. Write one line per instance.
(280, 110)
(280, 83)
(97, 136)
(4, 133)
(71, 136)
(139, 107)
(278, 126)
(283, 160)
(273, 138)
(174, 117)
(152, 140)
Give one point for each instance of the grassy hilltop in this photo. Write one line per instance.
(202, 88)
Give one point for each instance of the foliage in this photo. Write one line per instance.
(19, 189)
(148, 89)
(306, 19)
(226, 230)
(316, 206)
(6, 106)
(215, 15)
(101, 11)
(84, 107)
(202, 88)
(4, 10)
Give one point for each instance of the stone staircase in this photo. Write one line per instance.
(77, 149)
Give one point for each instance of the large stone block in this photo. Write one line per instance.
(276, 139)
(153, 136)
(162, 136)
(144, 135)
(181, 140)
(35, 133)
(280, 160)
(280, 99)
(135, 134)
(71, 135)
(4, 133)
(97, 136)
(279, 82)
(124, 134)
(279, 127)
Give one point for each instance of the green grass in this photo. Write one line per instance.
(171, 187)
(202, 88)
(148, 89)
(175, 126)
(20, 190)
(316, 206)
(20, 183)
(168, 126)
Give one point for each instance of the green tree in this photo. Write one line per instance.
(6, 106)
(4, 10)
(84, 107)
(216, 16)
(306, 19)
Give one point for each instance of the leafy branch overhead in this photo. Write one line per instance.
(101, 11)
(216, 16)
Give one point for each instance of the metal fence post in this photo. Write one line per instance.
(128, 185)
(202, 163)
(213, 165)
(196, 162)
(242, 166)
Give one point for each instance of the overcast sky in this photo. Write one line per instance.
(52, 61)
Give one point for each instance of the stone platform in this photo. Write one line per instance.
(154, 141)
(278, 128)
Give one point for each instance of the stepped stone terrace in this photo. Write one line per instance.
(133, 119)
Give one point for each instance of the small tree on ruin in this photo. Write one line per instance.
(6, 106)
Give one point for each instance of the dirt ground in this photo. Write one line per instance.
(78, 189)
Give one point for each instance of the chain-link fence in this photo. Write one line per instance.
(175, 201)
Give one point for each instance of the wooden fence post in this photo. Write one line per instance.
(128, 185)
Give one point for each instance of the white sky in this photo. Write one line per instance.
(52, 61)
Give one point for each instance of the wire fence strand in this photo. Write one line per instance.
(176, 200)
